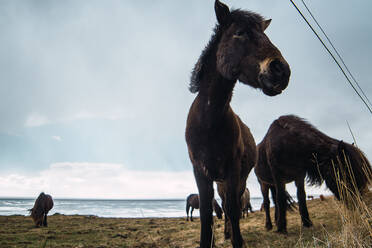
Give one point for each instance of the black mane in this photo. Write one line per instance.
(247, 18)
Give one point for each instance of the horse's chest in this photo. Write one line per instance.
(211, 153)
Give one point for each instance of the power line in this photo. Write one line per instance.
(330, 53)
(338, 54)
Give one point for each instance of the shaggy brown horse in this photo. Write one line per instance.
(220, 145)
(293, 149)
(43, 204)
(193, 202)
(246, 203)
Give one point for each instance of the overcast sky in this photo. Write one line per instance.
(94, 94)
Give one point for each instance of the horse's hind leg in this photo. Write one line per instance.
(301, 196)
(273, 196)
(281, 209)
(205, 187)
(250, 207)
(266, 204)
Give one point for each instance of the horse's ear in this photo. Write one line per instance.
(341, 146)
(265, 24)
(222, 13)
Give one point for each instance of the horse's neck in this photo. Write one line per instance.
(215, 96)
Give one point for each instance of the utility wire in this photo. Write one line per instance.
(330, 53)
(352, 134)
(338, 54)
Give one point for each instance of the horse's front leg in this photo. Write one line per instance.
(45, 222)
(273, 197)
(192, 210)
(233, 210)
(205, 187)
(266, 204)
(301, 196)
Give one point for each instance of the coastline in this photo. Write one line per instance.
(93, 231)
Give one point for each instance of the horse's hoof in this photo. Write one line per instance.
(282, 231)
(269, 227)
(227, 236)
(307, 224)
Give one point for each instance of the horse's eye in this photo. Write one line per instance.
(241, 33)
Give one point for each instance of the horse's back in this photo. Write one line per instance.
(291, 137)
(193, 200)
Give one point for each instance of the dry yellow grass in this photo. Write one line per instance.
(91, 231)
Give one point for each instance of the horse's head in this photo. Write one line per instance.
(246, 54)
(37, 215)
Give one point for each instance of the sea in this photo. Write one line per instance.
(108, 208)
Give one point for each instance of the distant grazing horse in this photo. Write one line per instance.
(293, 149)
(193, 202)
(220, 145)
(246, 203)
(322, 198)
(39, 212)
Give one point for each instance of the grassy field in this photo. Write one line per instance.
(91, 231)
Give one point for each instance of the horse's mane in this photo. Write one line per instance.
(237, 15)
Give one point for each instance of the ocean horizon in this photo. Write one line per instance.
(110, 208)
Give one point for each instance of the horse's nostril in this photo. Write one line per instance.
(277, 67)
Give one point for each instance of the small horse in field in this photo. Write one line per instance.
(221, 147)
(193, 202)
(293, 150)
(246, 203)
(43, 204)
(322, 198)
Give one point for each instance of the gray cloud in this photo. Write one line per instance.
(113, 75)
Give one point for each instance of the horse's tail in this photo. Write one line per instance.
(353, 168)
(291, 204)
(313, 176)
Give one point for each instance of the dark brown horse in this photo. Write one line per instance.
(39, 212)
(193, 202)
(293, 149)
(220, 145)
(246, 203)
